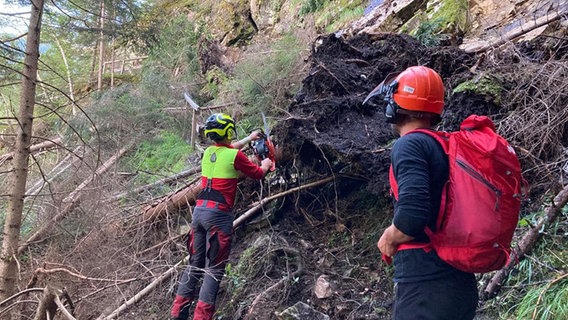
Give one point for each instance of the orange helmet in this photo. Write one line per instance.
(418, 89)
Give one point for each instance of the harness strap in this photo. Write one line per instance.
(427, 246)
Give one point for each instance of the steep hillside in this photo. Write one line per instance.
(116, 245)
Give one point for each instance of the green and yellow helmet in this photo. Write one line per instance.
(220, 126)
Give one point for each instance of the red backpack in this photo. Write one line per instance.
(481, 201)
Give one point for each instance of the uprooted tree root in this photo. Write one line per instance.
(538, 117)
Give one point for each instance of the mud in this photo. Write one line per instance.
(332, 229)
(331, 131)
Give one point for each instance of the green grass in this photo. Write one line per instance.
(428, 33)
(162, 156)
(538, 286)
(266, 81)
(546, 302)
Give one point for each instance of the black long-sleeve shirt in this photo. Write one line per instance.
(420, 168)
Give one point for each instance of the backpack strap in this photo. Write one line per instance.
(443, 140)
(442, 137)
(426, 246)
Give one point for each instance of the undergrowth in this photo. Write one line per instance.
(538, 286)
(265, 80)
(164, 155)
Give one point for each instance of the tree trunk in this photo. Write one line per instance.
(68, 72)
(47, 306)
(19, 173)
(171, 203)
(101, 46)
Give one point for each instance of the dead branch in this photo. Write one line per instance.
(61, 167)
(527, 242)
(63, 310)
(28, 290)
(48, 144)
(544, 291)
(172, 239)
(51, 302)
(77, 275)
(143, 293)
(47, 307)
(179, 176)
(72, 200)
(257, 205)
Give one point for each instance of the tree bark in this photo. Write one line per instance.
(69, 80)
(19, 173)
(181, 199)
(48, 144)
(519, 31)
(101, 46)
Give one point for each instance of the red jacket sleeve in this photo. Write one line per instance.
(244, 165)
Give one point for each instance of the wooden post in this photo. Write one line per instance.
(195, 107)
(193, 128)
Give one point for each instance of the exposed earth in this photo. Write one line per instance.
(331, 231)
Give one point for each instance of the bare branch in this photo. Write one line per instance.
(14, 39)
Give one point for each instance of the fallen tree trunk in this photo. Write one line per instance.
(517, 32)
(179, 176)
(527, 242)
(48, 144)
(72, 200)
(178, 200)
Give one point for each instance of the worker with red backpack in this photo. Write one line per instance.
(457, 200)
(209, 242)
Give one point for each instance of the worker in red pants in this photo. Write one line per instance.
(209, 241)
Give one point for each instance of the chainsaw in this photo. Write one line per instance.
(264, 148)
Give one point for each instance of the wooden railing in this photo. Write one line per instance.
(124, 65)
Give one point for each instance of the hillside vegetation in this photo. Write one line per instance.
(115, 157)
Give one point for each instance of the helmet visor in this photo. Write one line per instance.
(385, 89)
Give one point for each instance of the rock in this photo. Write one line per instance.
(265, 13)
(301, 311)
(323, 288)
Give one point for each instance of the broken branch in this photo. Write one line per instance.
(72, 200)
(257, 205)
(527, 242)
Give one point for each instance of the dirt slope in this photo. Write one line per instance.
(332, 231)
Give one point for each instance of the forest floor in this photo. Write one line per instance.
(322, 237)
(330, 232)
